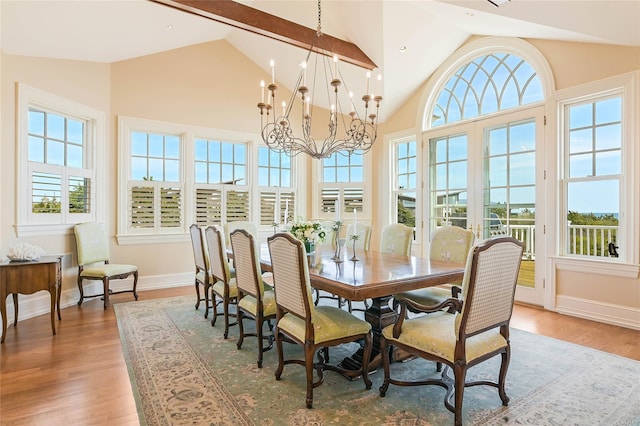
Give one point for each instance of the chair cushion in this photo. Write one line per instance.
(250, 304)
(200, 277)
(218, 288)
(329, 323)
(108, 270)
(426, 296)
(435, 334)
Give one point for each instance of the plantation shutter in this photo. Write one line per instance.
(142, 201)
(237, 207)
(268, 209)
(155, 206)
(170, 207)
(328, 199)
(353, 199)
(208, 206)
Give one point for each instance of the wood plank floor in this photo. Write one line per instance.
(79, 376)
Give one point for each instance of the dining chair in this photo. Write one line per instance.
(363, 232)
(254, 301)
(93, 262)
(450, 244)
(396, 238)
(224, 285)
(229, 227)
(300, 322)
(203, 273)
(477, 331)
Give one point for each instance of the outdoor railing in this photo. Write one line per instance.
(584, 240)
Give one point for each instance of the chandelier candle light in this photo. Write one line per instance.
(357, 133)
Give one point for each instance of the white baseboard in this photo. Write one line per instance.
(39, 303)
(608, 313)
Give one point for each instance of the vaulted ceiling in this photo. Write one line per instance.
(407, 40)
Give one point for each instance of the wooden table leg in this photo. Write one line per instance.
(379, 315)
(15, 309)
(53, 295)
(3, 313)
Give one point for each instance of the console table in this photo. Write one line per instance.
(29, 277)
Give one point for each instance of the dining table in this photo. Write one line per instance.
(375, 276)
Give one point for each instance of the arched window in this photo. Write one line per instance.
(484, 85)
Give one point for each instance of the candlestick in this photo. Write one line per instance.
(355, 221)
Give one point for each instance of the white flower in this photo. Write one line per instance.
(308, 231)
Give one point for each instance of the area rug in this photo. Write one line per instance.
(183, 371)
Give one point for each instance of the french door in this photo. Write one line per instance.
(488, 176)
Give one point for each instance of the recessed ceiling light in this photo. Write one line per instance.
(403, 49)
(168, 27)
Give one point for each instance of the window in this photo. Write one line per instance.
(155, 188)
(59, 140)
(174, 175)
(221, 189)
(448, 165)
(593, 174)
(405, 183)
(343, 178)
(484, 85)
(277, 195)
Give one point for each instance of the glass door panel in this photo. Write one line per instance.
(483, 176)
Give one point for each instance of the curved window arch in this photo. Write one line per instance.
(486, 84)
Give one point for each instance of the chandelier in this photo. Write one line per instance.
(347, 133)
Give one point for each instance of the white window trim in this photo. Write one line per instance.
(27, 224)
(628, 85)
(188, 135)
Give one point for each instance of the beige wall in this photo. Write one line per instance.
(212, 85)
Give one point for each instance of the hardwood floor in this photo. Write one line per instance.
(79, 376)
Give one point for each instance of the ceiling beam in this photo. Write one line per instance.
(247, 18)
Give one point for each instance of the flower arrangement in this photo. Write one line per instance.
(308, 232)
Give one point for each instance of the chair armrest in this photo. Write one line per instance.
(455, 291)
(454, 305)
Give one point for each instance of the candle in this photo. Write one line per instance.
(353, 107)
(273, 71)
(335, 66)
(337, 207)
(286, 213)
(304, 73)
(284, 107)
(378, 84)
(368, 77)
(306, 105)
(276, 219)
(262, 90)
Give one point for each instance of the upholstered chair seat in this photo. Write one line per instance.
(329, 323)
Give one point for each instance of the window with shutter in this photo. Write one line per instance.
(277, 197)
(58, 147)
(343, 184)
